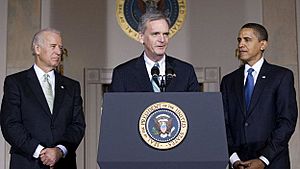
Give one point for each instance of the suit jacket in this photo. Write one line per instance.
(132, 76)
(271, 119)
(26, 120)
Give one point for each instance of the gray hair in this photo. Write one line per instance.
(39, 39)
(151, 15)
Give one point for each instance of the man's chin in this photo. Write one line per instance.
(243, 57)
(160, 54)
(54, 65)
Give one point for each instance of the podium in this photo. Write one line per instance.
(122, 147)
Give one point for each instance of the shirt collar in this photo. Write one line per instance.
(40, 73)
(257, 66)
(150, 63)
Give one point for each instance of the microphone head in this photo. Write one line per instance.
(170, 72)
(155, 71)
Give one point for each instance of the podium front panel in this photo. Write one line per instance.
(122, 147)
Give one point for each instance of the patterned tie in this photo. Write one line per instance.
(249, 86)
(154, 80)
(47, 88)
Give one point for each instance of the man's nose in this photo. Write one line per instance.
(241, 44)
(58, 50)
(162, 38)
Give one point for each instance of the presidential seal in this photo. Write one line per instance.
(163, 125)
(128, 13)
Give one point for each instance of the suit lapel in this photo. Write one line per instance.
(142, 76)
(239, 88)
(170, 64)
(37, 90)
(59, 93)
(259, 85)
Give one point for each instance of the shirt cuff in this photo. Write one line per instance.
(63, 149)
(38, 150)
(265, 160)
(234, 158)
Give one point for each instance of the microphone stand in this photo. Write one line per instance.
(163, 83)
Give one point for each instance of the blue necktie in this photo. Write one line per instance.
(154, 81)
(249, 86)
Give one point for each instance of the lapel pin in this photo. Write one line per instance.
(263, 77)
(62, 87)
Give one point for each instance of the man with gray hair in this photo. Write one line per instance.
(41, 113)
(171, 74)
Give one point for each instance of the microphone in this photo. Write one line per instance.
(170, 73)
(155, 75)
(155, 72)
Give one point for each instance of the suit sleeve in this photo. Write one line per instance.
(286, 107)
(76, 129)
(225, 107)
(12, 127)
(193, 85)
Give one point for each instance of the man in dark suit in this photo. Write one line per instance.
(41, 113)
(135, 75)
(260, 106)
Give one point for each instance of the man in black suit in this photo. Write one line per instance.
(41, 112)
(259, 129)
(135, 75)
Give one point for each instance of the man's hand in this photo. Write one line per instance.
(241, 165)
(49, 156)
(255, 164)
(250, 164)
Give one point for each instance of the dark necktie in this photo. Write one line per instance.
(249, 86)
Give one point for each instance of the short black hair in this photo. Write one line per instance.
(259, 30)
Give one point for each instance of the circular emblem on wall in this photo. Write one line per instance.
(128, 13)
(163, 125)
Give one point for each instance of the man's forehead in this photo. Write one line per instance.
(247, 32)
(52, 38)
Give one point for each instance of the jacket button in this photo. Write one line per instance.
(246, 124)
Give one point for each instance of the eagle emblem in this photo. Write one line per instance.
(163, 126)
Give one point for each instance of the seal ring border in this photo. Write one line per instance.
(134, 34)
(167, 145)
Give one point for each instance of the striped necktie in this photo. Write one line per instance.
(154, 80)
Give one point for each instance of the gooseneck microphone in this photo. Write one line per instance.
(155, 72)
(155, 76)
(170, 74)
(162, 81)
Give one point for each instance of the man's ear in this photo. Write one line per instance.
(264, 45)
(37, 49)
(141, 38)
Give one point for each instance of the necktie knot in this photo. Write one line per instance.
(46, 78)
(250, 70)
